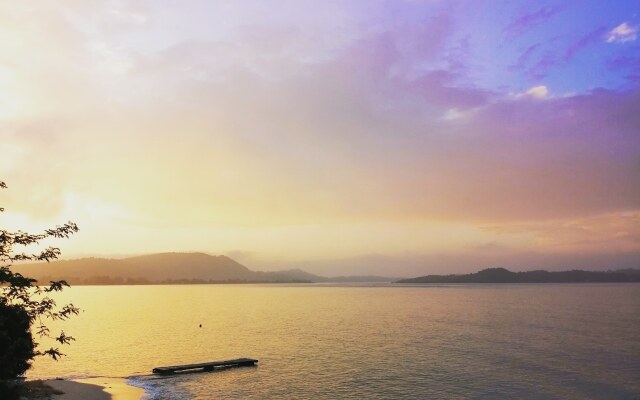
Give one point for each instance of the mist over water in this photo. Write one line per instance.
(319, 341)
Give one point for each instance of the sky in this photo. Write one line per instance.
(399, 138)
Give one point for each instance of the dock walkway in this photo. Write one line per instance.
(210, 366)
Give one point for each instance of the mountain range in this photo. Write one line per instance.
(195, 268)
(169, 268)
(501, 275)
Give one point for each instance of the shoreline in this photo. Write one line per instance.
(88, 389)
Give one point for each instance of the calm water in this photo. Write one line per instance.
(376, 342)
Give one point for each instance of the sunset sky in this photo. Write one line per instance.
(386, 137)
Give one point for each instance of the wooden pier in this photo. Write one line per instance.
(205, 367)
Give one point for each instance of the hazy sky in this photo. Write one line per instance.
(394, 137)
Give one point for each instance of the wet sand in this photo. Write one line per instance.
(94, 389)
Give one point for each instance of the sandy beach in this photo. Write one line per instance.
(93, 389)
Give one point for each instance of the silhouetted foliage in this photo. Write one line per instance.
(16, 341)
(24, 305)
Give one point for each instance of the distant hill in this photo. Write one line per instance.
(501, 275)
(167, 268)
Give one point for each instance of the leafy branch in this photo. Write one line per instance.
(24, 293)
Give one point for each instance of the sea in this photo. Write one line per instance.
(364, 341)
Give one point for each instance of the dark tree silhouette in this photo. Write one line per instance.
(25, 306)
(16, 341)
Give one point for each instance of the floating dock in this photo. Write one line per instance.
(205, 367)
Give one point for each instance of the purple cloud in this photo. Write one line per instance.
(628, 64)
(540, 69)
(529, 20)
(624, 62)
(524, 58)
(584, 42)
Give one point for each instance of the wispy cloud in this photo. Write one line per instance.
(580, 44)
(529, 20)
(622, 33)
(542, 67)
(524, 57)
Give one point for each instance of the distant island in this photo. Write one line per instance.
(170, 268)
(502, 275)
